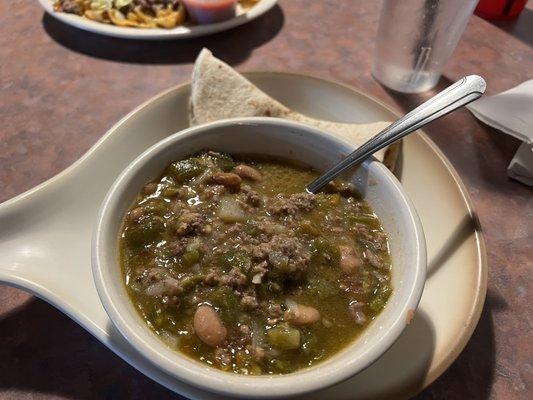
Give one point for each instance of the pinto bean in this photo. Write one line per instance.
(228, 179)
(247, 172)
(149, 188)
(349, 261)
(136, 214)
(208, 326)
(302, 315)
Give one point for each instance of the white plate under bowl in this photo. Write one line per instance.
(179, 32)
(46, 249)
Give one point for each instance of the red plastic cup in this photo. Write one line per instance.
(500, 10)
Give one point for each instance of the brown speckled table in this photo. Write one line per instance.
(60, 89)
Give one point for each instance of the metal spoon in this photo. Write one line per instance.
(457, 95)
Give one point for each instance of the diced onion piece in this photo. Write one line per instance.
(171, 340)
(359, 317)
(292, 306)
(231, 211)
(258, 334)
(256, 279)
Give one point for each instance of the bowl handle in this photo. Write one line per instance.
(45, 240)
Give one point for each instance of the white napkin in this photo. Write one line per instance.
(512, 112)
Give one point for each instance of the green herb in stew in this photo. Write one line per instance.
(233, 264)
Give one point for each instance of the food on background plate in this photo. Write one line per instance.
(153, 13)
(232, 263)
(218, 92)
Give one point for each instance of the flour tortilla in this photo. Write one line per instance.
(220, 92)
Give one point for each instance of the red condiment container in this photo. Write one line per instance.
(500, 10)
(210, 11)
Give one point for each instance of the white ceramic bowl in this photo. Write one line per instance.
(289, 140)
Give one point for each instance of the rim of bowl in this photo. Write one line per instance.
(208, 378)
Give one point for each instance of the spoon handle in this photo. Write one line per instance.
(457, 95)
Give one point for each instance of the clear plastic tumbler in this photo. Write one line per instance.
(415, 40)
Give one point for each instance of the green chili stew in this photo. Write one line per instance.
(233, 264)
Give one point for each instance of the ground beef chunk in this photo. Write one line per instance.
(213, 192)
(261, 268)
(179, 206)
(271, 228)
(292, 204)
(332, 222)
(285, 255)
(249, 302)
(177, 247)
(190, 223)
(235, 279)
(237, 238)
(245, 329)
(245, 333)
(251, 196)
(211, 279)
(71, 7)
(273, 310)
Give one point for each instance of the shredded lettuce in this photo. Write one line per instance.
(101, 4)
(121, 3)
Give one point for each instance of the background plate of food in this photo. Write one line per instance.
(156, 19)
